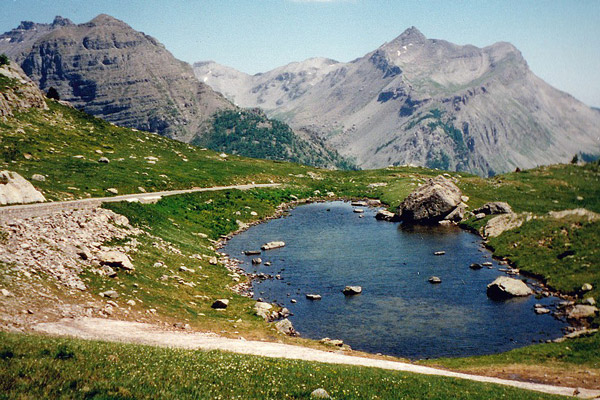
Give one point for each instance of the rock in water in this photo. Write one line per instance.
(14, 189)
(313, 296)
(504, 287)
(272, 245)
(434, 279)
(116, 259)
(352, 290)
(431, 202)
(384, 215)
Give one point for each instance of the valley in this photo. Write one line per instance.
(158, 186)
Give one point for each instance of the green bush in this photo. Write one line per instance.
(4, 59)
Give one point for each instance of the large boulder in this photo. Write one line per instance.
(14, 189)
(431, 202)
(504, 287)
(501, 223)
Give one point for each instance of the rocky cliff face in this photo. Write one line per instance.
(17, 91)
(423, 101)
(112, 71)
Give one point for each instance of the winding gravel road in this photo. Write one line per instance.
(136, 332)
(32, 210)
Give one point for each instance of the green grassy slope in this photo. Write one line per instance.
(40, 367)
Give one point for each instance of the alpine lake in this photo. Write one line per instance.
(399, 312)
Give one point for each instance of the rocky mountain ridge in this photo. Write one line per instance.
(422, 101)
(112, 71)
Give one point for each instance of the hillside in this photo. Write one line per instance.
(179, 271)
(109, 70)
(422, 101)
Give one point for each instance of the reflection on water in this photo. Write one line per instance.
(399, 312)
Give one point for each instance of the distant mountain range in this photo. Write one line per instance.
(422, 101)
(124, 76)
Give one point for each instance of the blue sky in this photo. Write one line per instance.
(559, 39)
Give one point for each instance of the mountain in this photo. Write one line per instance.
(112, 71)
(422, 101)
(109, 70)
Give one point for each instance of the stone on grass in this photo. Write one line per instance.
(14, 189)
(320, 393)
(112, 190)
(586, 287)
(38, 177)
(111, 294)
(285, 326)
(495, 207)
(582, 311)
(220, 304)
(103, 160)
(116, 259)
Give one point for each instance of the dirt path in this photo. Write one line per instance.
(135, 332)
(30, 210)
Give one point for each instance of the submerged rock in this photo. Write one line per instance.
(504, 287)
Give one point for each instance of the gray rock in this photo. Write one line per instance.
(358, 210)
(108, 271)
(541, 310)
(263, 310)
(38, 177)
(272, 245)
(252, 252)
(495, 207)
(116, 259)
(582, 311)
(256, 261)
(589, 301)
(439, 253)
(285, 326)
(504, 287)
(319, 393)
(5, 293)
(586, 287)
(103, 160)
(502, 223)
(112, 190)
(220, 304)
(311, 296)
(352, 290)
(111, 294)
(435, 279)
(457, 214)
(14, 189)
(431, 202)
(475, 266)
(385, 215)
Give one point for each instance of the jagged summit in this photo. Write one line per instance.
(105, 19)
(425, 102)
(410, 35)
(60, 21)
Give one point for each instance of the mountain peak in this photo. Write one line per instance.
(60, 21)
(411, 35)
(105, 19)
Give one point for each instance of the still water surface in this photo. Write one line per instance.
(400, 313)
